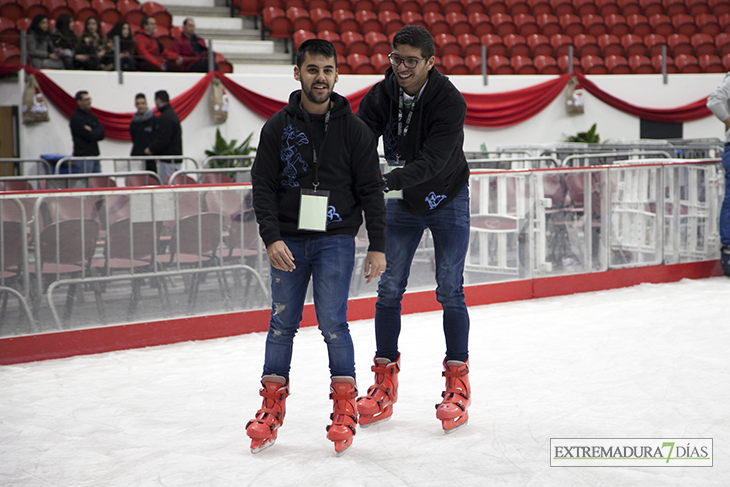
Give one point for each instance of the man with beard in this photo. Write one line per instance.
(142, 129)
(316, 171)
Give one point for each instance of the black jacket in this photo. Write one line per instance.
(142, 130)
(167, 140)
(435, 167)
(86, 142)
(348, 168)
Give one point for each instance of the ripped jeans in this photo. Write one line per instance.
(329, 261)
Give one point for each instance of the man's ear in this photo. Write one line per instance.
(296, 73)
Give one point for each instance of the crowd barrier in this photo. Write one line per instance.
(74, 259)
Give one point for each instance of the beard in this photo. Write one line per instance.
(317, 98)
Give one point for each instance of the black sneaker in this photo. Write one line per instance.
(725, 259)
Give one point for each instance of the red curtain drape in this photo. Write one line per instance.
(483, 110)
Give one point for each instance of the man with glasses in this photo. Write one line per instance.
(420, 115)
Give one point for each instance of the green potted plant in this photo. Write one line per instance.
(230, 148)
(590, 137)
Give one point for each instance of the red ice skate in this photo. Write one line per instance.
(343, 392)
(264, 429)
(378, 404)
(457, 397)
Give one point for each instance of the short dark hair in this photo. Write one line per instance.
(315, 47)
(185, 22)
(80, 94)
(140, 95)
(162, 96)
(144, 21)
(415, 36)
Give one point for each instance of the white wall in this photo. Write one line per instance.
(551, 125)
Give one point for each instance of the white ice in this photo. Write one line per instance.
(650, 361)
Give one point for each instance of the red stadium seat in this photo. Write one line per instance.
(585, 45)
(674, 7)
(276, 21)
(334, 38)
(516, 7)
(516, 45)
(12, 11)
(564, 64)
(408, 5)
(494, 45)
(57, 7)
(526, 24)
(654, 43)
(249, 8)
(430, 6)
(522, 65)
(294, 3)
(571, 24)
(687, 63)
(678, 44)
(499, 65)
(640, 64)
(584, 7)
(617, 25)
(546, 65)
(449, 6)
(446, 44)
(158, 11)
(656, 62)
(661, 24)
(380, 62)
(539, 45)
(302, 35)
(368, 21)
(341, 5)
(638, 25)
(607, 7)
(549, 25)
(473, 6)
(562, 7)
(130, 11)
(480, 24)
(610, 45)
(538, 7)
(698, 7)
(560, 43)
(360, 64)
(322, 20)
(719, 7)
(707, 24)
(496, 7)
(503, 24)
(386, 5)
(629, 7)
(724, 21)
(412, 18)
(594, 25)
(82, 9)
(703, 44)
(684, 24)
(436, 23)
(722, 43)
(299, 19)
(710, 63)
(633, 45)
(470, 44)
(593, 65)
(454, 64)
(473, 63)
(354, 43)
(651, 7)
(345, 20)
(458, 23)
(362, 5)
(726, 62)
(390, 21)
(9, 55)
(377, 43)
(616, 64)
(9, 33)
(31, 8)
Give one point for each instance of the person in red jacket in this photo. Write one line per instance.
(151, 55)
(192, 49)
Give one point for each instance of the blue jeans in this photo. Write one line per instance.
(725, 210)
(449, 226)
(85, 166)
(329, 260)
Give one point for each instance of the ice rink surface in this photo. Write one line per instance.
(651, 361)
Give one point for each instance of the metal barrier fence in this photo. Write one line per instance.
(68, 162)
(139, 254)
(40, 164)
(80, 180)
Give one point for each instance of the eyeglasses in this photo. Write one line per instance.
(410, 63)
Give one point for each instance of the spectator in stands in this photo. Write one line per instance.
(310, 233)
(41, 50)
(719, 104)
(192, 49)
(167, 138)
(93, 45)
(142, 130)
(65, 39)
(127, 50)
(151, 54)
(86, 131)
(420, 115)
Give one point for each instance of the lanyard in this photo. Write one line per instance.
(403, 131)
(315, 156)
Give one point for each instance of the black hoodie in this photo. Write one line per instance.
(348, 169)
(435, 167)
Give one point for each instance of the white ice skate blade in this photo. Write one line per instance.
(374, 423)
(340, 453)
(448, 432)
(266, 446)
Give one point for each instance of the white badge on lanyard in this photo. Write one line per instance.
(313, 206)
(390, 165)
